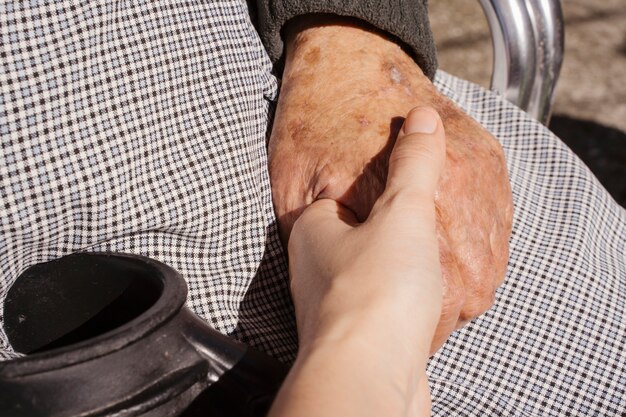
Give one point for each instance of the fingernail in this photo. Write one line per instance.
(422, 120)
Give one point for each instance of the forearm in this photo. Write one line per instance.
(352, 54)
(359, 368)
(342, 381)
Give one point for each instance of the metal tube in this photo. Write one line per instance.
(547, 19)
(528, 51)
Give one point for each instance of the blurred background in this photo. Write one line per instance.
(589, 112)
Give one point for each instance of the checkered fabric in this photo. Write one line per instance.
(554, 342)
(140, 127)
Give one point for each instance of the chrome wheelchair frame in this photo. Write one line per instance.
(528, 42)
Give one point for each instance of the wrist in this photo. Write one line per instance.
(350, 376)
(324, 27)
(390, 371)
(397, 331)
(328, 41)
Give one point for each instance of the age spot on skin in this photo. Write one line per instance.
(395, 75)
(383, 129)
(313, 56)
(297, 129)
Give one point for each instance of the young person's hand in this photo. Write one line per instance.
(368, 295)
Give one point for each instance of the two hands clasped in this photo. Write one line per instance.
(397, 231)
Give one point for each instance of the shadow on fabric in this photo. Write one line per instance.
(602, 149)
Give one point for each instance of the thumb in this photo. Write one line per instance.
(417, 158)
(323, 219)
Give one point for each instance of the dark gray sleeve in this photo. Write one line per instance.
(406, 20)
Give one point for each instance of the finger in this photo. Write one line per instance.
(479, 272)
(329, 210)
(285, 223)
(499, 242)
(417, 158)
(454, 294)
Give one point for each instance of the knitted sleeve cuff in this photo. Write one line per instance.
(405, 20)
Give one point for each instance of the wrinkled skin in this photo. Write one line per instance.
(345, 92)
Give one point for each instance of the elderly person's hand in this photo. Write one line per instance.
(368, 295)
(345, 90)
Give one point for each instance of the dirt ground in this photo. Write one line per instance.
(589, 111)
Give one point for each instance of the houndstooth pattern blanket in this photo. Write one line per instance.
(141, 127)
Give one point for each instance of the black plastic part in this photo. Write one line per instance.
(112, 337)
(75, 298)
